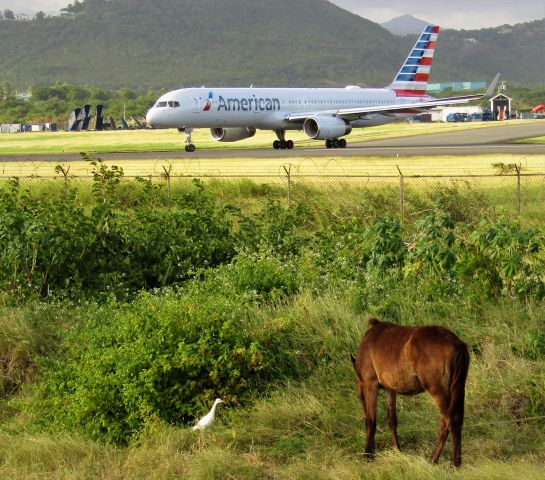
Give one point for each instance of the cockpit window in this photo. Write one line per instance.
(170, 104)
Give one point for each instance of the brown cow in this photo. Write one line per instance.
(408, 361)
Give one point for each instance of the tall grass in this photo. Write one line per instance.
(467, 200)
(313, 427)
(296, 296)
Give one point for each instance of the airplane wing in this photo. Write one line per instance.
(409, 107)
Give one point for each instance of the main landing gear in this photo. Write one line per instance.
(335, 143)
(189, 147)
(282, 143)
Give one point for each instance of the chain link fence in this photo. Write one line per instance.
(465, 197)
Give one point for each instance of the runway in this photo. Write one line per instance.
(479, 141)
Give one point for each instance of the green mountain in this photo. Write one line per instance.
(169, 43)
(405, 25)
(174, 43)
(518, 52)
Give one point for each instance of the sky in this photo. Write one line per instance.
(468, 14)
(458, 14)
(26, 6)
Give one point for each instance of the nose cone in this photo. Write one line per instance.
(152, 117)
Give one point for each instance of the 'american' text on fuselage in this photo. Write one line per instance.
(248, 104)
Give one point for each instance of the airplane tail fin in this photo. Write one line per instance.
(412, 79)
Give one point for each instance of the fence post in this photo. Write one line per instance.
(518, 168)
(61, 169)
(167, 177)
(287, 169)
(401, 194)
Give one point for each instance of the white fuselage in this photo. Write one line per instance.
(267, 108)
(329, 114)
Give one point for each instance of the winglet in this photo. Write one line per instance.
(492, 87)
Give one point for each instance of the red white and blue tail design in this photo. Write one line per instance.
(412, 79)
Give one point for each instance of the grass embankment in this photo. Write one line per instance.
(313, 428)
(268, 305)
(537, 141)
(173, 141)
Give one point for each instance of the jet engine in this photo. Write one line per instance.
(232, 134)
(326, 128)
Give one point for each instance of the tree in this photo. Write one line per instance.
(126, 94)
(1, 16)
(8, 14)
(40, 15)
(76, 7)
(6, 91)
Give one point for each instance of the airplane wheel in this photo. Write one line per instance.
(191, 148)
(336, 143)
(283, 144)
(289, 144)
(342, 143)
(276, 144)
(329, 144)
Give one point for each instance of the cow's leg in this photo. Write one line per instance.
(392, 418)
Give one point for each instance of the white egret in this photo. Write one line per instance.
(208, 419)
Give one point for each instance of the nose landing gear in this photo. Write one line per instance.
(336, 143)
(189, 146)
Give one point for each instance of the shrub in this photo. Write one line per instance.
(386, 244)
(505, 258)
(277, 229)
(164, 357)
(57, 245)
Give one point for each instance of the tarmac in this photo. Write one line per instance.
(480, 141)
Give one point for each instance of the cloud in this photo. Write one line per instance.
(460, 14)
(22, 6)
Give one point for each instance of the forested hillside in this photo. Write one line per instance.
(171, 43)
(518, 52)
(188, 42)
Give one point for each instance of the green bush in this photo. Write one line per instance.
(168, 354)
(283, 231)
(505, 258)
(162, 357)
(269, 277)
(498, 258)
(55, 244)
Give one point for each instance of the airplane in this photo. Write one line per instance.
(327, 114)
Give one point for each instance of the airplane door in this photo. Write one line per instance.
(196, 105)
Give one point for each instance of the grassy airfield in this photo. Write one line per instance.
(97, 143)
(537, 141)
(172, 140)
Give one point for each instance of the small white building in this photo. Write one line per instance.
(441, 114)
(500, 105)
(10, 128)
(22, 17)
(25, 96)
